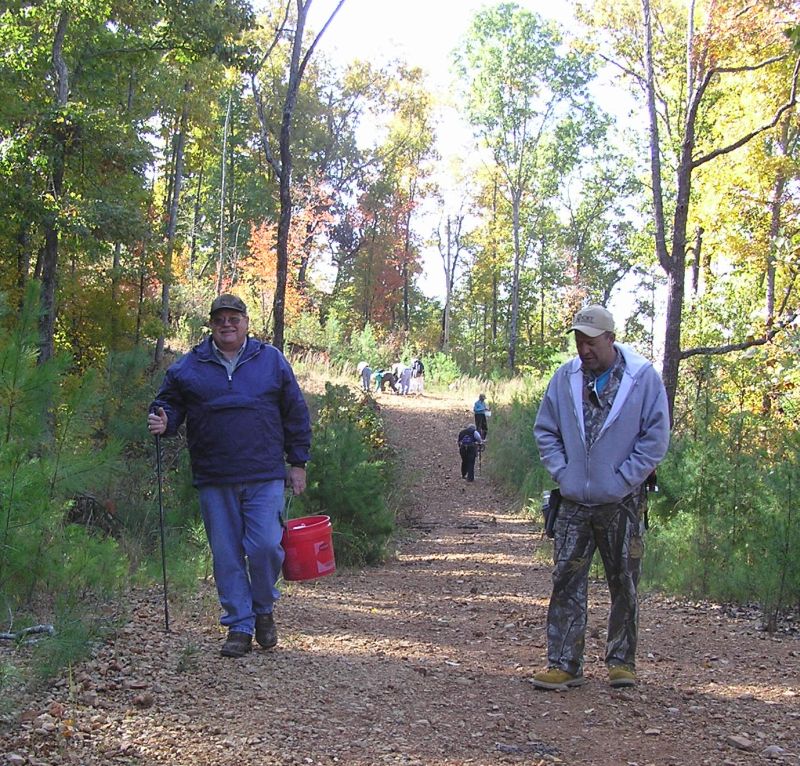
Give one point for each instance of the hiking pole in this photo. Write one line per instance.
(161, 525)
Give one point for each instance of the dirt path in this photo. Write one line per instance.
(426, 660)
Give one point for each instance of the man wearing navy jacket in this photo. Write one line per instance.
(246, 418)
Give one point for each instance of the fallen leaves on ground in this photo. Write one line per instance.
(424, 660)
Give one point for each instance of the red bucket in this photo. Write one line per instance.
(308, 544)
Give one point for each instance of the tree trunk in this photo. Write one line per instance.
(305, 255)
(172, 223)
(483, 340)
(49, 260)
(697, 262)
(116, 270)
(137, 336)
(513, 330)
(23, 258)
(673, 262)
(284, 224)
(542, 297)
(223, 166)
(775, 208)
(448, 291)
(495, 286)
(232, 176)
(196, 216)
(406, 278)
(283, 165)
(285, 179)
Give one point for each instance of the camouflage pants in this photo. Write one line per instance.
(616, 531)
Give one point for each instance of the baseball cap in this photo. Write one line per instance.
(593, 321)
(228, 301)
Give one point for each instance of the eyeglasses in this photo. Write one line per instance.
(220, 321)
(594, 394)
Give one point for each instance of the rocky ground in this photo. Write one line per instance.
(425, 660)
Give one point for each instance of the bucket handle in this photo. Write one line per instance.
(283, 516)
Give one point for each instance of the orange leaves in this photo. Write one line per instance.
(387, 259)
(310, 217)
(259, 268)
(735, 34)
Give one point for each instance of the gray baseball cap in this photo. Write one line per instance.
(228, 301)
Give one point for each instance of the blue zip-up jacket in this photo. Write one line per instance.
(632, 442)
(239, 428)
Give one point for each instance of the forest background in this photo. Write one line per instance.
(156, 154)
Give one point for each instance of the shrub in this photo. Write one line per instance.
(49, 452)
(514, 457)
(726, 525)
(347, 476)
(441, 369)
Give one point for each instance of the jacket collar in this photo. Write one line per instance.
(634, 364)
(205, 351)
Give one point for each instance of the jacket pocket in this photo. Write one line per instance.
(603, 484)
(572, 481)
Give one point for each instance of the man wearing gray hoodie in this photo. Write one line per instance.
(602, 428)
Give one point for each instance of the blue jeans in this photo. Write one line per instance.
(242, 523)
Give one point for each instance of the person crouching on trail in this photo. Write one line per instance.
(390, 380)
(469, 440)
(246, 418)
(602, 428)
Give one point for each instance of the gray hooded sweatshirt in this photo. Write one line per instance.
(632, 442)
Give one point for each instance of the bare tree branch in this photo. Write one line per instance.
(279, 30)
(630, 72)
(727, 349)
(321, 32)
(655, 158)
(791, 103)
(748, 67)
(744, 10)
(263, 132)
(259, 102)
(787, 292)
(10, 636)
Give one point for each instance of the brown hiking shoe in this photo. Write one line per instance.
(237, 644)
(266, 633)
(555, 679)
(620, 676)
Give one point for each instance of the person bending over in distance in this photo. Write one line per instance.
(469, 442)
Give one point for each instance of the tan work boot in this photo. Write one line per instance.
(620, 676)
(555, 679)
